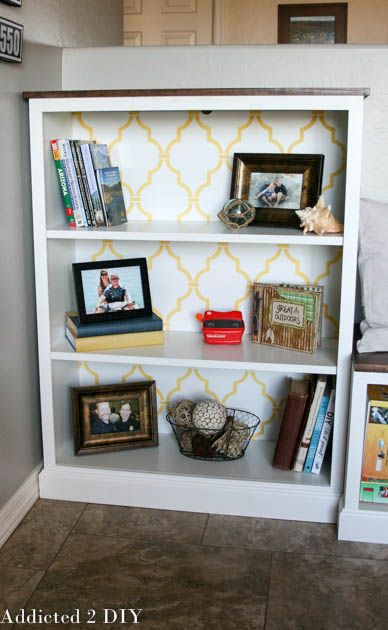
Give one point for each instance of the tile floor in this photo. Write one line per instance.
(188, 571)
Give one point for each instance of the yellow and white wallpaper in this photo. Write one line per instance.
(177, 166)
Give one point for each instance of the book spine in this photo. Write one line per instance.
(316, 433)
(117, 327)
(305, 443)
(292, 418)
(324, 437)
(79, 180)
(67, 160)
(101, 193)
(92, 185)
(63, 183)
(89, 202)
(114, 342)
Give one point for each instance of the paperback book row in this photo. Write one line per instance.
(374, 472)
(90, 185)
(306, 425)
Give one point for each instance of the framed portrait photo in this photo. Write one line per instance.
(277, 184)
(114, 417)
(112, 289)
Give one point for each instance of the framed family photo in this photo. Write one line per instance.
(277, 184)
(112, 289)
(114, 417)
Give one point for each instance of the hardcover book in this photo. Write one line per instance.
(111, 194)
(294, 413)
(114, 342)
(114, 327)
(308, 431)
(287, 316)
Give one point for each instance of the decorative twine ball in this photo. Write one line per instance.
(209, 417)
(185, 441)
(181, 413)
(237, 214)
(232, 442)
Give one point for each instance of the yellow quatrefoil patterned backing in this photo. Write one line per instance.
(177, 166)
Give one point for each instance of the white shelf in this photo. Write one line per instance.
(194, 231)
(187, 349)
(166, 459)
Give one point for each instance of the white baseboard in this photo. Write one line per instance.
(19, 504)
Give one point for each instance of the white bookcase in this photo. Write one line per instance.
(358, 520)
(175, 161)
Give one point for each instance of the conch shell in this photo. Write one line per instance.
(319, 219)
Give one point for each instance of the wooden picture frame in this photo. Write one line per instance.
(114, 417)
(95, 298)
(310, 16)
(277, 185)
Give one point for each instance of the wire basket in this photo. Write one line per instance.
(228, 444)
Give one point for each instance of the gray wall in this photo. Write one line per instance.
(20, 442)
(64, 23)
(251, 66)
(69, 22)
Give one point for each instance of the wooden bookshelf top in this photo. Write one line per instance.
(202, 92)
(370, 362)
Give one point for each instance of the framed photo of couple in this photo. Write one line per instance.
(112, 289)
(277, 184)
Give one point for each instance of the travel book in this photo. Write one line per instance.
(100, 156)
(312, 416)
(72, 182)
(111, 194)
(92, 184)
(287, 316)
(63, 184)
(294, 415)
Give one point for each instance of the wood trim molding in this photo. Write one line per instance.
(19, 504)
(201, 92)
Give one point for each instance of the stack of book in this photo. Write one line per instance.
(287, 315)
(306, 426)
(374, 472)
(90, 186)
(122, 333)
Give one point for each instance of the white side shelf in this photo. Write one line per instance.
(358, 520)
(194, 231)
(187, 349)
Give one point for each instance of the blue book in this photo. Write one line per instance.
(115, 327)
(317, 431)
